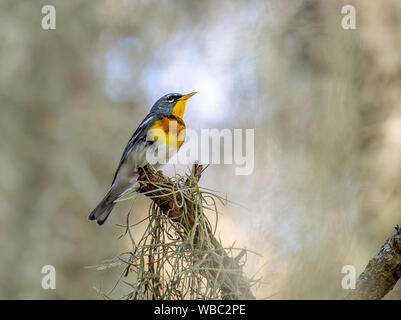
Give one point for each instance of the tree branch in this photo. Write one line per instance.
(232, 282)
(382, 272)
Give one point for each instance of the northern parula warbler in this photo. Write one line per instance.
(166, 113)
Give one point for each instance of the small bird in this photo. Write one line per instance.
(158, 137)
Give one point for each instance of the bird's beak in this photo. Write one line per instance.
(187, 96)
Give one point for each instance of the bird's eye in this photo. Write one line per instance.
(170, 99)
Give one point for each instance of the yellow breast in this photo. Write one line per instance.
(168, 131)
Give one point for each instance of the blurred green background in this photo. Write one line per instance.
(325, 104)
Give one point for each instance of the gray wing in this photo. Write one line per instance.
(139, 136)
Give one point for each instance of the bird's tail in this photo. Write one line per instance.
(103, 209)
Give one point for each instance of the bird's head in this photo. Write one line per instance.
(172, 104)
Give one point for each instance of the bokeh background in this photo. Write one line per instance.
(325, 104)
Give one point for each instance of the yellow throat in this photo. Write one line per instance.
(179, 107)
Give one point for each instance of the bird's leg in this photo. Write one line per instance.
(149, 168)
